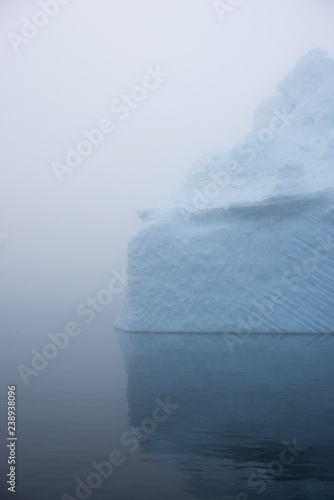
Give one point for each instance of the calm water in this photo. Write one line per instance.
(189, 418)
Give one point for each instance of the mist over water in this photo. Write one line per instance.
(150, 87)
(64, 238)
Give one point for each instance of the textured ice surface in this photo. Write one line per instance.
(246, 244)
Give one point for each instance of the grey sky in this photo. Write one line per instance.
(63, 239)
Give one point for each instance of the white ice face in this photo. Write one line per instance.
(246, 244)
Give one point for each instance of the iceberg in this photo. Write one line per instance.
(246, 244)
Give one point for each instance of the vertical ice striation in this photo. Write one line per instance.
(246, 244)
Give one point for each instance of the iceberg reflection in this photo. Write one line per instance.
(256, 421)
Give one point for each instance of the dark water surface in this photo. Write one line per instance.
(181, 415)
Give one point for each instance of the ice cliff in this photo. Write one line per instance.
(246, 244)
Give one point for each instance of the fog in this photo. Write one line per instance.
(62, 235)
